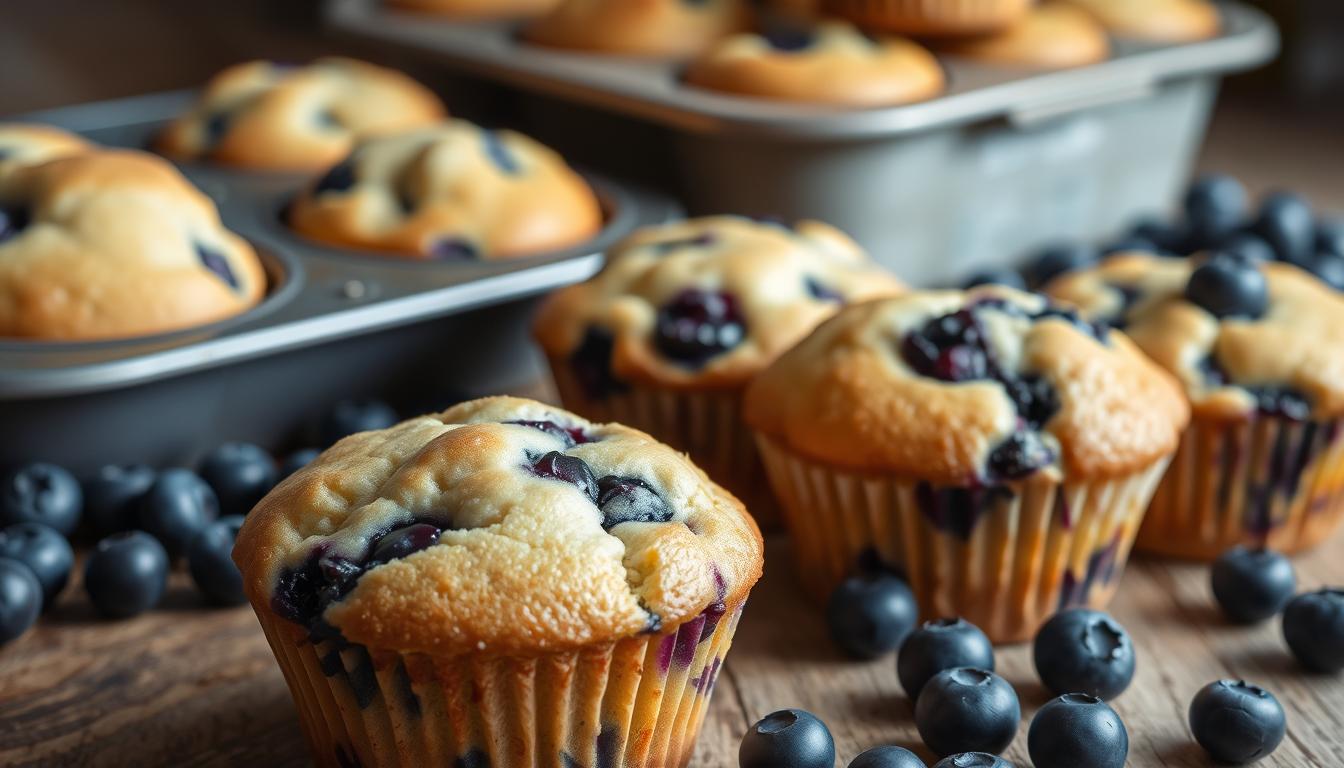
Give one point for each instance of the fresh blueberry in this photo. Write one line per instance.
(1084, 651)
(1227, 286)
(698, 325)
(1214, 206)
(1329, 267)
(1288, 225)
(240, 474)
(941, 645)
(1330, 236)
(871, 615)
(298, 460)
(112, 497)
(338, 179)
(44, 551)
(126, 574)
(40, 493)
(568, 469)
(20, 599)
(1076, 729)
(974, 760)
(350, 416)
(176, 507)
(401, 542)
(1001, 276)
(1313, 626)
(210, 559)
(1236, 722)
(887, 757)
(1247, 246)
(789, 738)
(1054, 261)
(1252, 585)
(630, 500)
(12, 222)
(967, 710)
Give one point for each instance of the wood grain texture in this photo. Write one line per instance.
(188, 685)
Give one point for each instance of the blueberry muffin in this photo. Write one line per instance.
(1158, 21)
(266, 116)
(1053, 35)
(654, 28)
(684, 315)
(29, 144)
(996, 448)
(453, 192)
(477, 9)
(829, 63)
(934, 18)
(1260, 350)
(501, 584)
(109, 244)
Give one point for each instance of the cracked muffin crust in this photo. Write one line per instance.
(261, 115)
(452, 192)
(657, 28)
(29, 144)
(115, 243)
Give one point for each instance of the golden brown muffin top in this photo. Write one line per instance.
(653, 28)
(500, 526)
(115, 243)
(706, 303)
(1289, 361)
(1052, 35)
(1159, 21)
(30, 143)
(981, 387)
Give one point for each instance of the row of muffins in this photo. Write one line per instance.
(100, 243)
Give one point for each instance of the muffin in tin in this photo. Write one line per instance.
(452, 192)
(477, 9)
(652, 28)
(1053, 35)
(503, 583)
(261, 115)
(31, 143)
(115, 243)
(1157, 21)
(934, 18)
(994, 447)
(1260, 351)
(827, 63)
(684, 315)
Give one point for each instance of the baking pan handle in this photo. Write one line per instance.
(1043, 110)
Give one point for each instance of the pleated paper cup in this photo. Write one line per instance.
(637, 702)
(1004, 558)
(707, 425)
(1264, 481)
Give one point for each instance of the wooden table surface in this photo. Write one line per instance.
(188, 685)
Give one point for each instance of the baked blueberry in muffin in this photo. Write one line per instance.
(653, 28)
(452, 192)
(266, 116)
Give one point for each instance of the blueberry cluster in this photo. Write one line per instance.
(620, 499)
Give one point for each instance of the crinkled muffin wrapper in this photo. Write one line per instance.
(1003, 558)
(636, 702)
(706, 425)
(931, 17)
(1264, 481)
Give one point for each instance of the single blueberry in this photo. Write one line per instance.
(630, 500)
(1018, 456)
(500, 154)
(215, 262)
(591, 363)
(1236, 722)
(967, 710)
(1074, 730)
(1000, 276)
(40, 493)
(12, 222)
(1330, 236)
(401, 542)
(568, 469)
(871, 615)
(126, 574)
(338, 179)
(1313, 626)
(351, 416)
(1056, 260)
(240, 474)
(44, 551)
(1329, 267)
(789, 738)
(112, 497)
(1252, 585)
(941, 645)
(210, 560)
(887, 757)
(1084, 651)
(1214, 206)
(176, 507)
(454, 249)
(20, 599)
(698, 325)
(1288, 225)
(1247, 246)
(973, 760)
(789, 38)
(822, 292)
(216, 126)
(1227, 286)
(298, 460)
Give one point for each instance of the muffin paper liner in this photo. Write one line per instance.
(931, 16)
(1004, 558)
(706, 425)
(1265, 481)
(638, 702)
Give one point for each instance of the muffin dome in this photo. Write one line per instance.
(831, 63)
(972, 388)
(29, 144)
(1285, 357)
(267, 116)
(110, 244)
(705, 303)
(1051, 35)
(1159, 21)
(663, 28)
(500, 526)
(453, 191)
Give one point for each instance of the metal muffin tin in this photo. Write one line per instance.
(1005, 159)
(336, 323)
